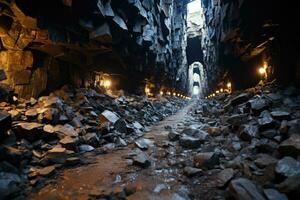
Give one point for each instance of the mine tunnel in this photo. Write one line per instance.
(149, 100)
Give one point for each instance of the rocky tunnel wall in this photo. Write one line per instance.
(45, 44)
(239, 36)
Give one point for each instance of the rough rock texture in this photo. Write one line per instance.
(45, 42)
(238, 36)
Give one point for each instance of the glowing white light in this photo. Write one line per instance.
(196, 90)
(194, 6)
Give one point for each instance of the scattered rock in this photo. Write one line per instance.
(206, 160)
(258, 105)
(224, 177)
(141, 159)
(143, 143)
(108, 116)
(158, 188)
(244, 189)
(287, 167)
(86, 148)
(265, 160)
(214, 131)
(291, 146)
(291, 186)
(280, 115)
(265, 121)
(242, 98)
(190, 142)
(191, 171)
(273, 194)
(46, 171)
(31, 131)
(237, 119)
(248, 132)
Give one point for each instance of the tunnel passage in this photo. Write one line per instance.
(198, 80)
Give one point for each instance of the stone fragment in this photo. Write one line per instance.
(68, 142)
(190, 142)
(143, 143)
(265, 160)
(237, 119)
(271, 133)
(206, 160)
(291, 186)
(258, 105)
(283, 129)
(281, 115)
(66, 130)
(242, 98)
(137, 125)
(214, 131)
(141, 159)
(191, 171)
(86, 148)
(31, 131)
(273, 194)
(57, 155)
(31, 113)
(291, 146)
(287, 167)
(244, 189)
(248, 132)
(91, 139)
(224, 177)
(265, 121)
(108, 116)
(46, 171)
(121, 126)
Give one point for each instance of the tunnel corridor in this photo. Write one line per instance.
(149, 100)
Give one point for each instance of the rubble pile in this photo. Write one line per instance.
(244, 146)
(39, 136)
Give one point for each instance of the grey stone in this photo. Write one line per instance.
(86, 148)
(248, 132)
(281, 115)
(141, 159)
(191, 171)
(108, 116)
(287, 167)
(242, 98)
(265, 121)
(291, 186)
(143, 143)
(9, 185)
(265, 160)
(244, 189)
(291, 146)
(237, 119)
(224, 177)
(273, 194)
(190, 142)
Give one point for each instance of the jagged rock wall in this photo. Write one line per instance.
(45, 39)
(240, 35)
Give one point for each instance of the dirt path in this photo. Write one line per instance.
(110, 173)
